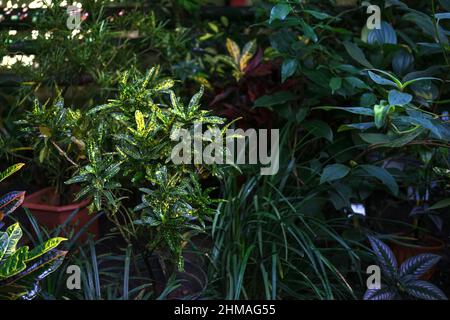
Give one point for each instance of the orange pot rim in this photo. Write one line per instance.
(30, 202)
(431, 248)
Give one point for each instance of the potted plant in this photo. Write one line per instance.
(123, 149)
(55, 132)
(21, 269)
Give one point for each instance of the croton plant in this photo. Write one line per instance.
(22, 268)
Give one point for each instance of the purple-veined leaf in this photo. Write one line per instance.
(418, 265)
(380, 294)
(385, 257)
(424, 290)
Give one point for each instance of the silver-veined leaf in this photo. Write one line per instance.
(424, 290)
(385, 257)
(418, 265)
(380, 294)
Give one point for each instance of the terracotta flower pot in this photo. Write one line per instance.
(427, 245)
(46, 209)
(240, 3)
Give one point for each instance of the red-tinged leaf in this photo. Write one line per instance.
(254, 62)
(11, 201)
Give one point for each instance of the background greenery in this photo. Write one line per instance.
(364, 126)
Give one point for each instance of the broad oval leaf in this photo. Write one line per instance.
(357, 54)
(397, 98)
(280, 12)
(277, 98)
(334, 172)
(288, 68)
(385, 35)
(319, 129)
(383, 175)
(402, 62)
(380, 80)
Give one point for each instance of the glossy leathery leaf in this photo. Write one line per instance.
(43, 248)
(8, 246)
(14, 263)
(10, 170)
(10, 202)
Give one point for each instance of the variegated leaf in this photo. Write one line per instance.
(44, 248)
(100, 108)
(385, 257)
(9, 171)
(140, 121)
(418, 265)
(424, 290)
(10, 202)
(8, 245)
(380, 294)
(174, 101)
(14, 264)
(233, 50)
(164, 85)
(195, 101)
(25, 284)
(78, 179)
(247, 53)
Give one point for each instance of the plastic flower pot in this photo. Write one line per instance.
(240, 3)
(427, 244)
(45, 206)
